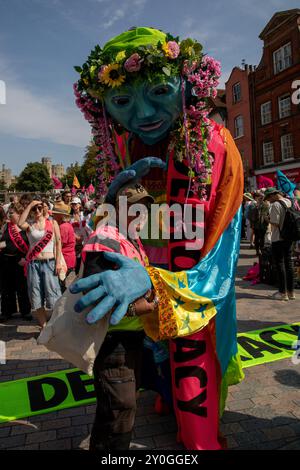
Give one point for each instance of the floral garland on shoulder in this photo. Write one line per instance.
(108, 69)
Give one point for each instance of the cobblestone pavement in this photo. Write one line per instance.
(262, 412)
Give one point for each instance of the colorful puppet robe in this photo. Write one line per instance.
(197, 296)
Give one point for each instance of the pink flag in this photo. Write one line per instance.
(56, 183)
(264, 182)
(91, 189)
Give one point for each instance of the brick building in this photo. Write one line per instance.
(275, 118)
(238, 113)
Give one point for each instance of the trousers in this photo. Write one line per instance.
(117, 372)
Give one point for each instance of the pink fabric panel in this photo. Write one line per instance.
(195, 392)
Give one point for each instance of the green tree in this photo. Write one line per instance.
(34, 177)
(74, 169)
(89, 167)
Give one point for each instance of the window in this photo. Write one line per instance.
(282, 58)
(287, 149)
(266, 113)
(284, 106)
(238, 127)
(236, 92)
(268, 152)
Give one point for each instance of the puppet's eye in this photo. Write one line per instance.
(121, 100)
(161, 90)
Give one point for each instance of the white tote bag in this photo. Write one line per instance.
(68, 334)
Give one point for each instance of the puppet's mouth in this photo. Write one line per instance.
(151, 126)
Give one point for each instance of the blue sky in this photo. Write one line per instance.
(41, 41)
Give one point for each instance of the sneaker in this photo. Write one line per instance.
(280, 296)
(291, 296)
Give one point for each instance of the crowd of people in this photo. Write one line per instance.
(41, 243)
(264, 218)
(34, 277)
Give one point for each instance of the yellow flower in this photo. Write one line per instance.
(111, 75)
(85, 81)
(165, 48)
(120, 56)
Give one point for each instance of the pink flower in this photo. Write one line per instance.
(133, 63)
(101, 70)
(172, 49)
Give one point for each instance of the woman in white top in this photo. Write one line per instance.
(43, 261)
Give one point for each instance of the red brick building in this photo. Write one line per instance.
(275, 118)
(238, 113)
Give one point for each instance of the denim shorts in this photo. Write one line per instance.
(43, 285)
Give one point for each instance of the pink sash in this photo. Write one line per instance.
(16, 238)
(38, 247)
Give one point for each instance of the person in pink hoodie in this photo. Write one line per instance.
(68, 241)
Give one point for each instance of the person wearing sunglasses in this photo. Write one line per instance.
(43, 260)
(14, 246)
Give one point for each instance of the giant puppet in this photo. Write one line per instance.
(146, 95)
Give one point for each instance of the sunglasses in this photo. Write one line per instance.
(37, 208)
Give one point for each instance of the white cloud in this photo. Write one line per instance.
(116, 16)
(31, 116)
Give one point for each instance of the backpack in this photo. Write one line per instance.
(290, 230)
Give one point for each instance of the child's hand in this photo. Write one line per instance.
(142, 306)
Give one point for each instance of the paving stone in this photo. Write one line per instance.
(240, 405)
(278, 432)
(148, 430)
(28, 447)
(85, 419)
(230, 428)
(165, 439)
(12, 441)
(40, 436)
(4, 432)
(60, 444)
(231, 442)
(24, 429)
(72, 431)
(244, 438)
(56, 424)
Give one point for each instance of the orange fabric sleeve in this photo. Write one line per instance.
(229, 194)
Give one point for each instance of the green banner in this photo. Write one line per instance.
(66, 389)
(267, 345)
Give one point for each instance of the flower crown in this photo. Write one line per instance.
(108, 68)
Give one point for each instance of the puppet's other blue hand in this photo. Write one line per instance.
(134, 172)
(112, 289)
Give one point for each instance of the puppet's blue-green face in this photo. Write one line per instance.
(147, 109)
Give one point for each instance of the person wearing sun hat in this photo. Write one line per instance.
(281, 249)
(146, 95)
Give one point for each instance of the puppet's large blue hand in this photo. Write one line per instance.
(112, 289)
(136, 171)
